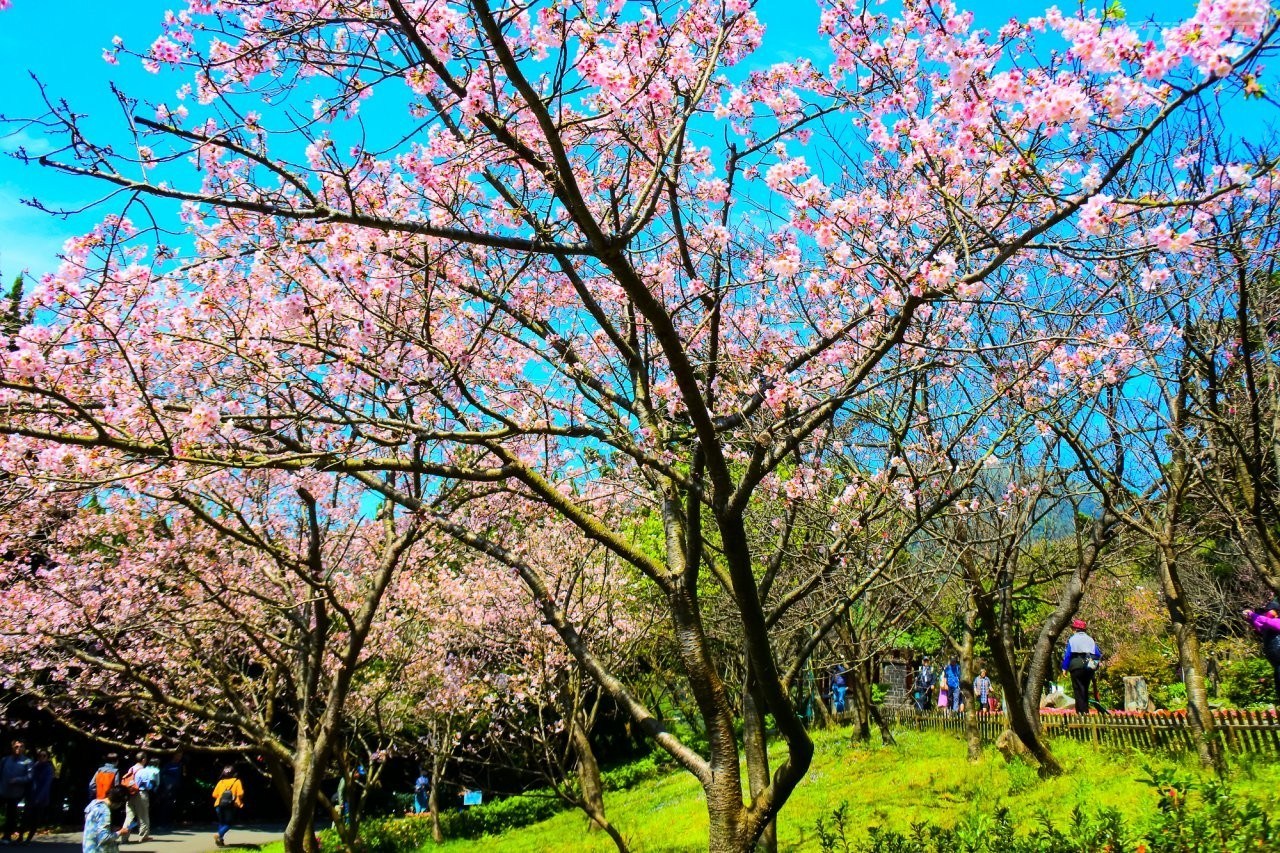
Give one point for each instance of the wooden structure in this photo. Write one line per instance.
(1241, 731)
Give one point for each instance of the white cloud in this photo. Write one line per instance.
(29, 239)
(33, 145)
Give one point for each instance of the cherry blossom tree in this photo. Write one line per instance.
(226, 614)
(594, 256)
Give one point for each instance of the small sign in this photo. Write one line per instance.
(472, 798)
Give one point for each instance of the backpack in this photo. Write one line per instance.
(103, 781)
(227, 798)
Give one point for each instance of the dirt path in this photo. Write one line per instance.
(184, 840)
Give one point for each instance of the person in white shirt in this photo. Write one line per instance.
(1081, 661)
(141, 780)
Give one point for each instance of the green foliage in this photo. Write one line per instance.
(1247, 681)
(629, 775)
(1172, 696)
(1217, 821)
(1152, 661)
(925, 775)
(1022, 777)
(831, 832)
(384, 835)
(499, 816)
(995, 832)
(878, 693)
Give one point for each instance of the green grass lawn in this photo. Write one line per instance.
(924, 778)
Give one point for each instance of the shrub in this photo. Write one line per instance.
(498, 816)
(1212, 821)
(1218, 823)
(1247, 681)
(385, 835)
(629, 775)
(994, 832)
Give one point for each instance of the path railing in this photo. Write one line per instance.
(1242, 731)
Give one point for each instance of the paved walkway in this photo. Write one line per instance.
(184, 840)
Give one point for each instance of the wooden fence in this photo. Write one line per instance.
(1241, 731)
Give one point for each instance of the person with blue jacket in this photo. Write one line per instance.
(1080, 661)
(952, 675)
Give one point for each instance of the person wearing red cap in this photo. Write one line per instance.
(1080, 661)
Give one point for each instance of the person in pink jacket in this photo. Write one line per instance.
(1267, 623)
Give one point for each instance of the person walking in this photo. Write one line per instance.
(140, 781)
(1266, 623)
(422, 792)
(105, 777)
(228, 799)
(952, 675)
(982, 689)
(99, 833)
(38, 795)
(15, 778)
(923, 688)
(1080, 661)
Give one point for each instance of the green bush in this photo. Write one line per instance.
(396, 835)
(1217, 823)
(1172, 697)
(1247, 681)
(982, 832)
(498, 816)
(629, 775)
(1213, 820)
(385, 835)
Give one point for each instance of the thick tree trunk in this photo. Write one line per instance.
(433, 799)
(858, 700)
(1022, 707)
(1199, 715)
(727, 833)
(1024, 721)
(300, 831)
(756, 746)
(972, 733)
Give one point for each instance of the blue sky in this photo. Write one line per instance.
(70, 63)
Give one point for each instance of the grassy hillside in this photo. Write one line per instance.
(925, 778)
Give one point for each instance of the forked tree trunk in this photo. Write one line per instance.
(1023, 708)
(1042, 658)
(1199, 715)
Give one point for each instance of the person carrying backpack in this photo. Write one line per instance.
(228, 799)
(1081, 661)
(106, 778)
(1266, 623)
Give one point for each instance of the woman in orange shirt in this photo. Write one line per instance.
(228, 798)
